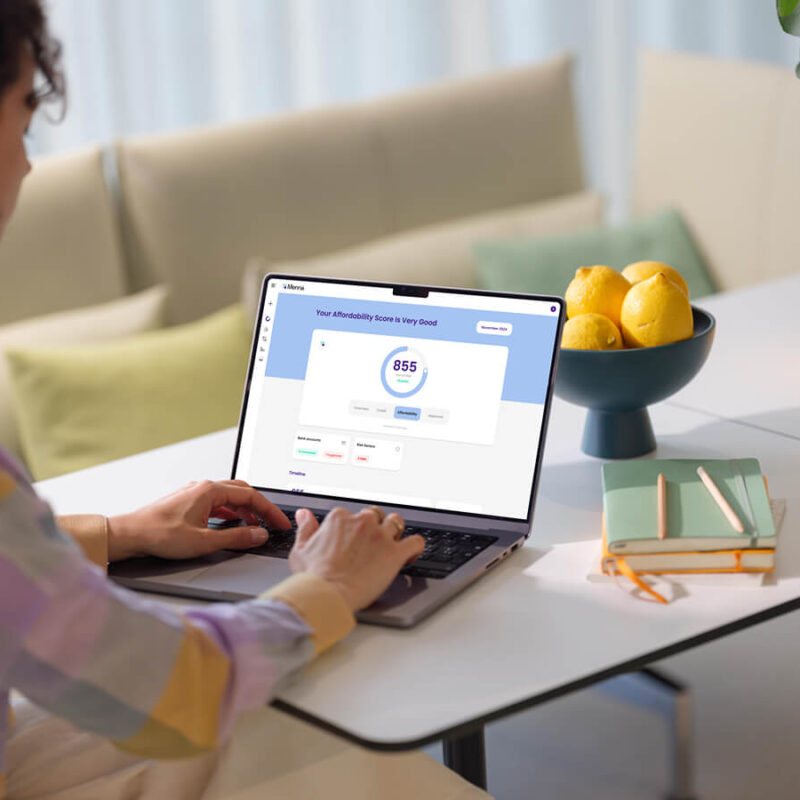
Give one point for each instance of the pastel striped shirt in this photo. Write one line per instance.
(159, 683)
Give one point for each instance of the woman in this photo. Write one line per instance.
(157, 683)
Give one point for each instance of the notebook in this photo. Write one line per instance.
(694, 520)
(740, 560)
(600, 567)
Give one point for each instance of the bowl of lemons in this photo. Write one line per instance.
(632, 338)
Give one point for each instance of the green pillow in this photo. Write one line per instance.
(84, 405)
(546, 265)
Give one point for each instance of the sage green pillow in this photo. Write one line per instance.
(83, 405)
(546, 264)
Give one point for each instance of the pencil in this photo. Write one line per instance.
(723, 504)
(662, 506)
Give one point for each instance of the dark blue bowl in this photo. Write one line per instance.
(618, 385)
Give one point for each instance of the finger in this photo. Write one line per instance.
(411, 548)
(235, 538)
(236, 512)
(378, 512)
(247, 515)
(231, 493)
(307, 525)
(394, 525)
(224, 512)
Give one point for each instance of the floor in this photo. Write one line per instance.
(590, 745)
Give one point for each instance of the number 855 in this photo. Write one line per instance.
(404, 366)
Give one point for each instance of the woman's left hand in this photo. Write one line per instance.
(177, 525)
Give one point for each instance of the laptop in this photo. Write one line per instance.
(430, 402)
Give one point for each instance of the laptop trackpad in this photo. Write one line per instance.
(246, 575)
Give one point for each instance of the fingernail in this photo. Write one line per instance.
(302, 515)
(259, 535)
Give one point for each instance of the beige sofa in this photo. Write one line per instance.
(190, 209)
(718, 141)
(496, 155)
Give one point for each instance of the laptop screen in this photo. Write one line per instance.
(398, 395)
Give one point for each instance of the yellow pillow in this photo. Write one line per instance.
(84, 405)
(116, 319)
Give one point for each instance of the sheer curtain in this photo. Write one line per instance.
(151, 66)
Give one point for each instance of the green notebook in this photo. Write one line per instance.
(694, 520)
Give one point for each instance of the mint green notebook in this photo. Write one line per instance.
(694, 520)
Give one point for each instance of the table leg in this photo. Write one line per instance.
(654, 689)
(466, 755)
(682, 745)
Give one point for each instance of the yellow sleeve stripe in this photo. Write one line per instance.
(320, 604)
(186, 718)
(154, 740)
(90, 532)
(7, 485)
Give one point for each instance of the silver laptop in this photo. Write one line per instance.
(430, 402)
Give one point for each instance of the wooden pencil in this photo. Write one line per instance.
(662, 506)
(723, 504)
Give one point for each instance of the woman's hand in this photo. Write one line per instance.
(177, 525)
(360, 554)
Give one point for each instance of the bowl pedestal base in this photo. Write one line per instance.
(618, 434)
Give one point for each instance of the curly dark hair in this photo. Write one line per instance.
(23, 24)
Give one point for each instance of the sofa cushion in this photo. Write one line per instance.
(718, 140)
(84, 405)
(437, 254)
(546, 265)
(198, 204)
(61, 249)
(118, 318)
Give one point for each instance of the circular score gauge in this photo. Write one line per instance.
(404, 372)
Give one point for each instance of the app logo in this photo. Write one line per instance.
(293, 287)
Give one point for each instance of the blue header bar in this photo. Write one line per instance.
(530, 342)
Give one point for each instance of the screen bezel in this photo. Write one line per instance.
(412, 290)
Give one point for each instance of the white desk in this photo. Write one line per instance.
(532, 629)
(753, 371)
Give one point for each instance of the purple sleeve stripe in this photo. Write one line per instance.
(21, 600)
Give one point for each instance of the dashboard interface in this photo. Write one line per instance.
(432, 401)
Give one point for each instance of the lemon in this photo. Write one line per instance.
(642, 270)
(656, 311)
(591, 332)
(596, 290)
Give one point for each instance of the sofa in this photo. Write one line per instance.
(185, 212)
(418, 176)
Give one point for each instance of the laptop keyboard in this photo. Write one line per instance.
(445, 551)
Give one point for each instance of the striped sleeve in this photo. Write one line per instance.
(156, 682)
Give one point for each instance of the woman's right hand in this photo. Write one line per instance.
(360, 554)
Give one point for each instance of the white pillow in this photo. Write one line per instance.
(123, 317)
(438, 255)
